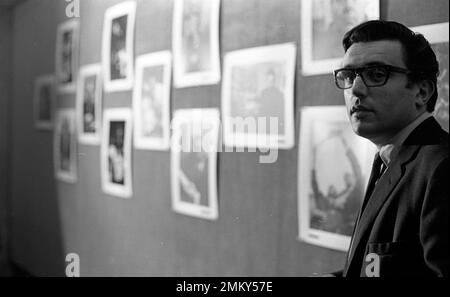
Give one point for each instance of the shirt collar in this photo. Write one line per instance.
(389, 150)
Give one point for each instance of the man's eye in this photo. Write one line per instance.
(376, 74)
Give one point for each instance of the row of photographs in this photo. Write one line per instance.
(195, 41)
(255, 81)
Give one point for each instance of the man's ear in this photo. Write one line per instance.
(425, 89)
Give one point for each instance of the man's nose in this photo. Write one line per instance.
(359, 88)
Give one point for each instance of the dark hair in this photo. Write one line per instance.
(418, 56)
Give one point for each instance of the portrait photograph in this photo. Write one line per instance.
(116, 152)
(194, 162)
(89, 104)
(333, 169)
(258, 97)
(65, 145)
(196, 42)
(437, 35)
(323, 25)
(151, 101)
(118, 46)
(67, 53)
(44, 102)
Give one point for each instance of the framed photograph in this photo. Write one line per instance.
(65, 146)
(151, 101)
(116, 152)
(194, 162)
(196, 42)
(89, 104)
(323, 25)
(67, 52)
(258, 97)
(118, 46)
(333, 168)
(44, 102)
(437, 35)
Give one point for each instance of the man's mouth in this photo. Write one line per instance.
(359, 109)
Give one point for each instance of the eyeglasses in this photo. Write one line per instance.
(372, 76)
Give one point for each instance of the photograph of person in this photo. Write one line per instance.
(116, 152)
(330, 196)
(65, 146)
(89, 106)
(195, 40)
(323, 21)
(151, 101)
(117, 48)
(194, 162)
(258, 90)
(67, 50)
(44, 100)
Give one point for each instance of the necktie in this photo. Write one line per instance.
(378, 168)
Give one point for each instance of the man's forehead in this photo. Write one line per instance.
(382, 51)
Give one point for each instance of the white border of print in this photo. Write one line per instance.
(87, 71)
(39, 82)
(308, 115)
(71, 175)
(126, 8)
(182, 116)
(207, 77)
(142, 62)
(274, 53)
(434, 33)
(116, 114)
(326, 66)
(74, 26)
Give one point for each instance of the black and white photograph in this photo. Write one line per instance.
(196, 42)
(116, 152)
(118, 46)
(67, 53)
(323, 24)
(194, 162)
(257, 97)
(89, 104)
(65, 145)
(437, 35)
(329, 196)
(44, 102)
(151, 101)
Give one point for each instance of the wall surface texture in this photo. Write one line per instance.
(256, 233)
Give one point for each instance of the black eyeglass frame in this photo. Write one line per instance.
(358, 72)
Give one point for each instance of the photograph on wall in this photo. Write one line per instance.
(65, 145)
(194, 162)
(118, 46)
(151, 101)
(333, 168)
(67, 52)
(116, 152)
(44, 102)
(196, 42)
(89, 104)
(437, 35)
(258, 97)
(323, 25)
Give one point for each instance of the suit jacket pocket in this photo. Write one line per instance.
(387, 259)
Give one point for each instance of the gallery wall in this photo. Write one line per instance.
(256, 233)
(5, 101)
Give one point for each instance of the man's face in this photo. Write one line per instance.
(378, 113)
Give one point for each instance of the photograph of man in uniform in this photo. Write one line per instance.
(89, 121)
(116, 152)
(119, 60)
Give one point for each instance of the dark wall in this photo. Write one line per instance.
(5, 100)
(256, 233)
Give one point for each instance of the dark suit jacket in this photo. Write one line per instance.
(406, 220)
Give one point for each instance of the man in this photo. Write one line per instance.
(389, 81)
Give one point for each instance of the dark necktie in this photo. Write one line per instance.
(378, 168)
